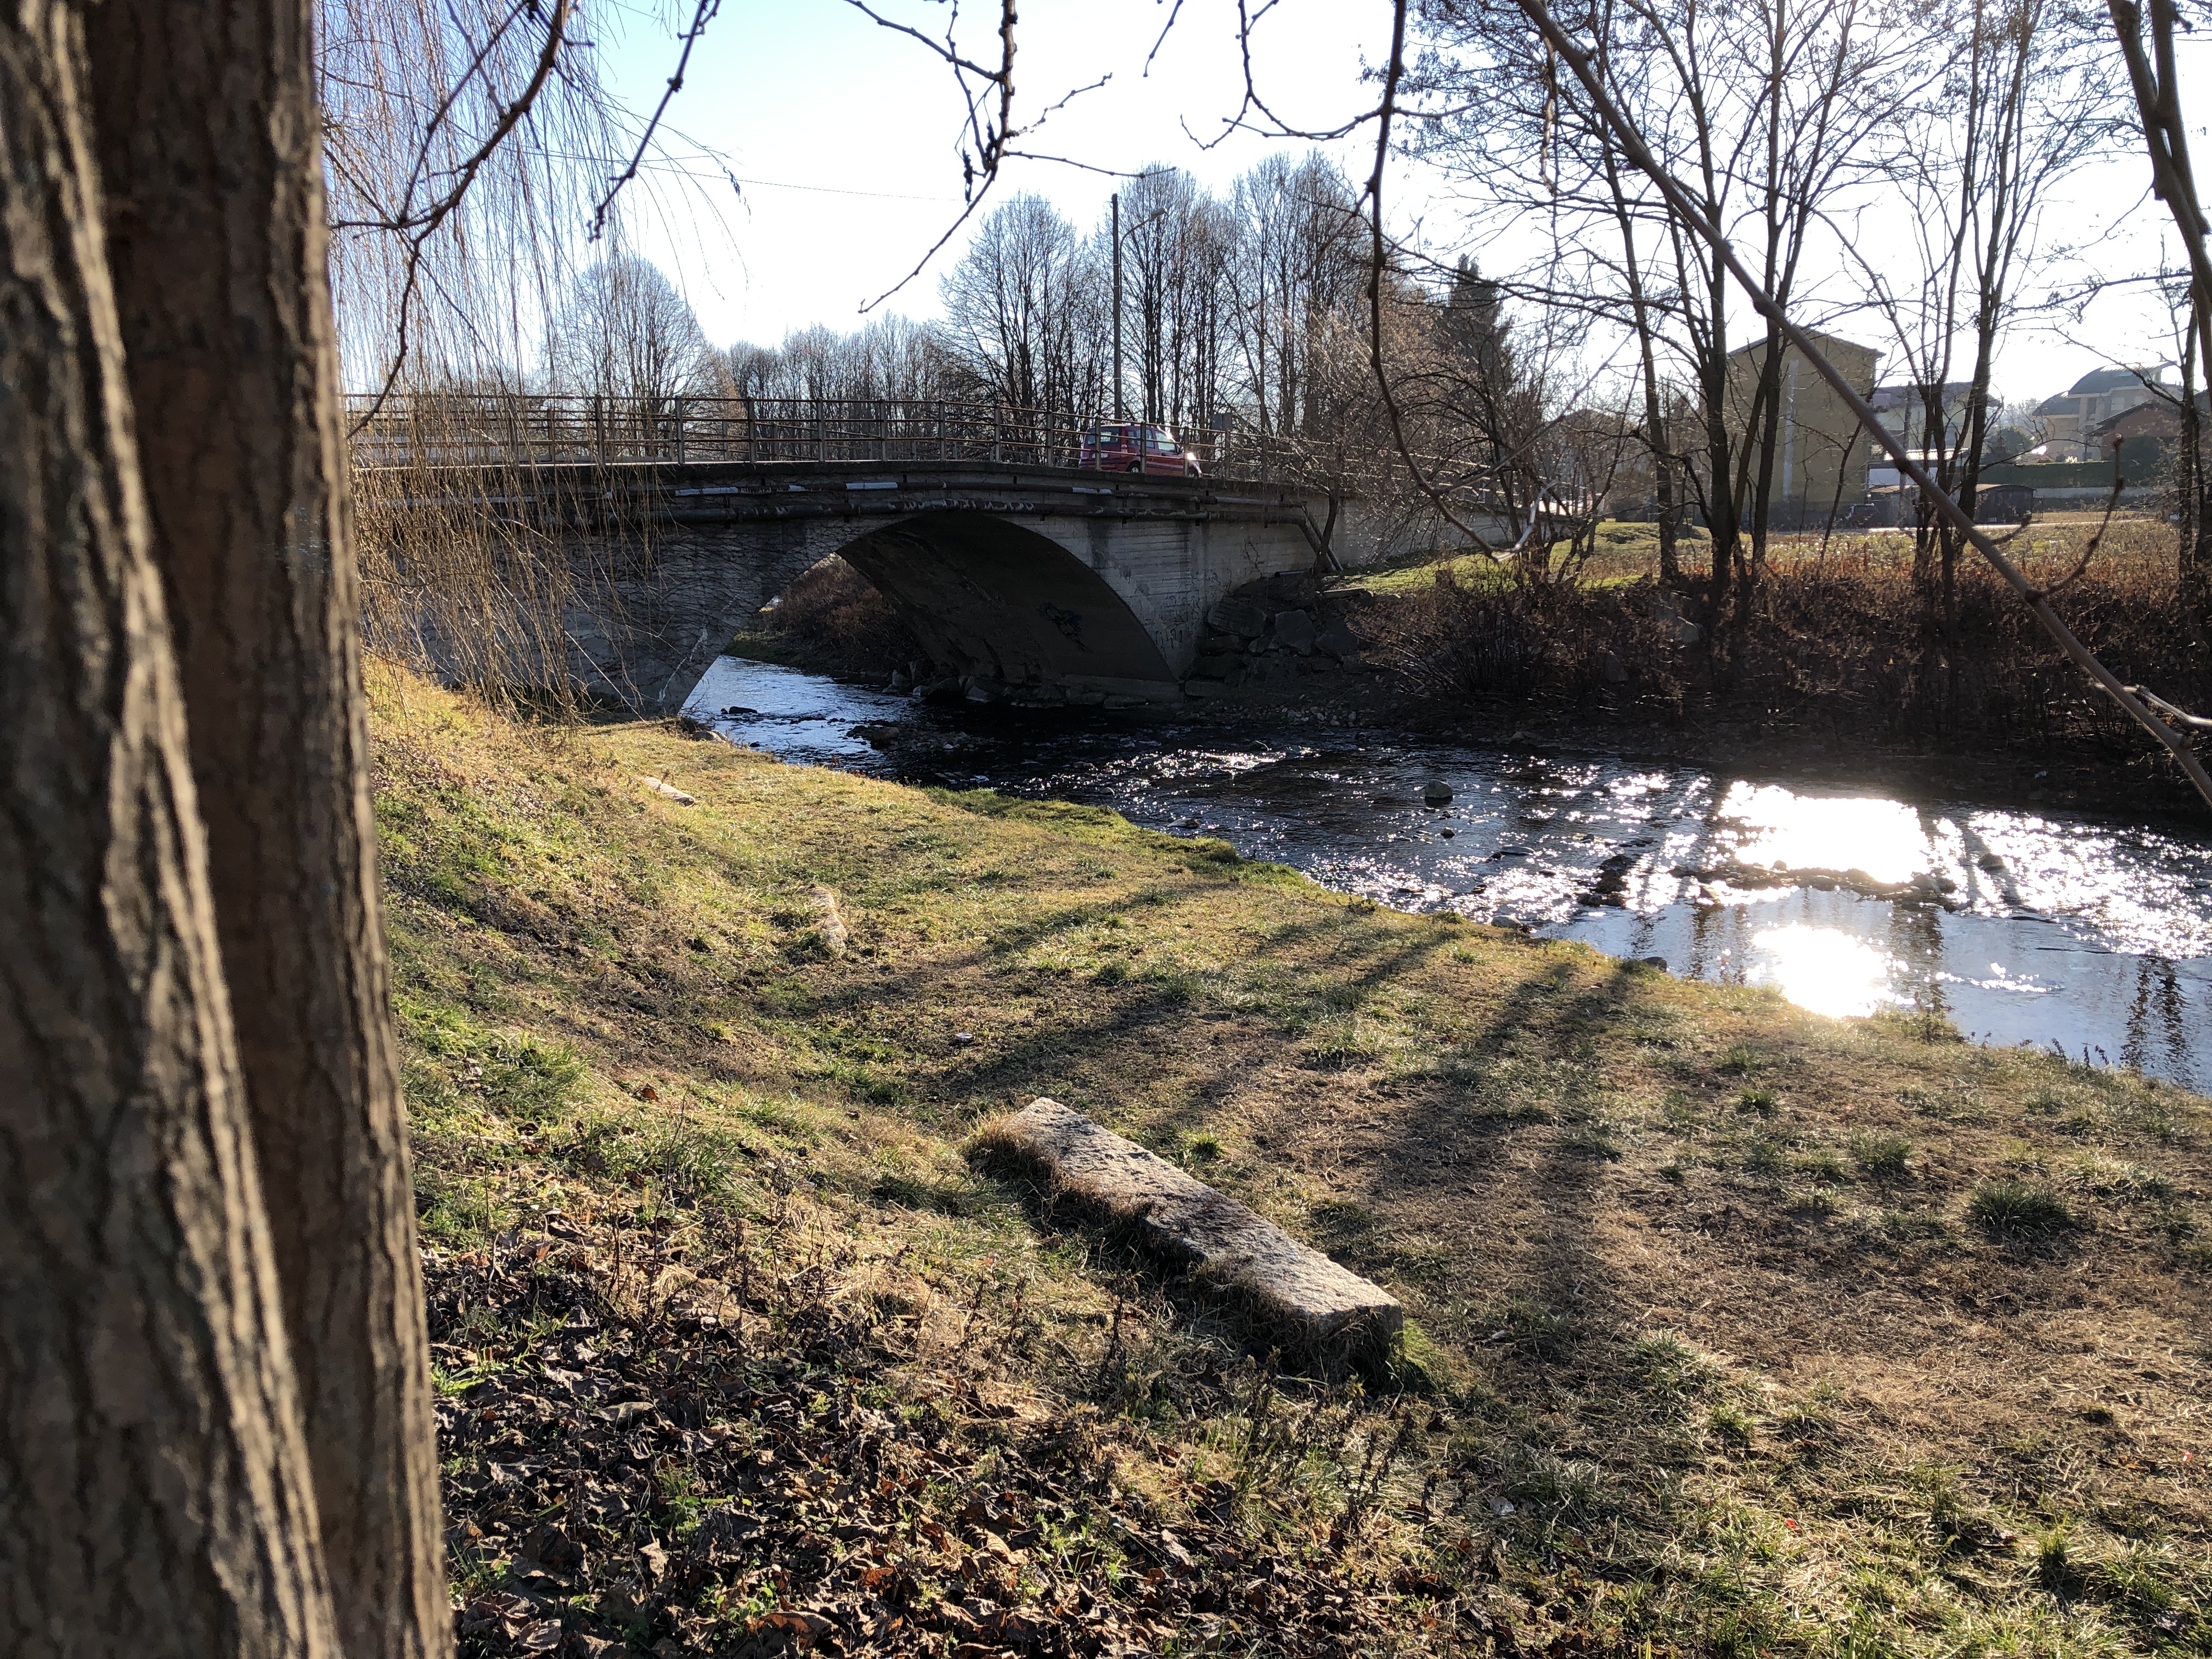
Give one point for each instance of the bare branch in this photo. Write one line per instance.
(1695, 219)
(702, 15)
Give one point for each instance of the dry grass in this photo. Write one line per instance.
(1841, 648)
(1718, 1373)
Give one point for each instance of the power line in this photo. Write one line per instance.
(832, 189)
(735, 179)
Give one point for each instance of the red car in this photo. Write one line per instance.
(1150, 449)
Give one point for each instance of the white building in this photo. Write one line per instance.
(2069, 419)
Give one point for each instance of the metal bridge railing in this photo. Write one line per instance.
(536, 430)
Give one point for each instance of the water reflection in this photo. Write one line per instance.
(1763, 823)
(1824, 969)
(2019, 926)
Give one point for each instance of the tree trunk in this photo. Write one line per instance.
(210, 149)
(1765, 446)
(2193, 493)
(1721, 499)
(1655, 422)
(154, 1493)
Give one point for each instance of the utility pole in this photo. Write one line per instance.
(1118, 414)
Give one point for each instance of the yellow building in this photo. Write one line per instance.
(1821, 452)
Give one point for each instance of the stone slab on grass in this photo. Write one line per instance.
(1319, 1307)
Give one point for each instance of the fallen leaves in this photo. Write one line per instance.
(650, 1470)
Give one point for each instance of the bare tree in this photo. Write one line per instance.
(1765, 109)
(888, 358)
(626, 332)
(2025, 97)
(1295, 274)
(1176, 241)
(465, 143)
(1026, 310)
(2162, 721)
(2154, 76)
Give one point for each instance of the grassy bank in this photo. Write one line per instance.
(1622, 552)
(1737, 1329)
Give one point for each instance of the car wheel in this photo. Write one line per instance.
(1136, 466)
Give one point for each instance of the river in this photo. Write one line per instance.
(2063, 929)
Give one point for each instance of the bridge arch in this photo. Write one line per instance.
(992, 596)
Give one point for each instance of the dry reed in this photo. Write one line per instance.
(1838, 640)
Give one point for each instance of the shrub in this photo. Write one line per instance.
(837, 614)
(1839, 633)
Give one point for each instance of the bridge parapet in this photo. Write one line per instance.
(534, 429)
(642, 494)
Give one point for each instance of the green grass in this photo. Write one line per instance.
(1647, 1231)
(2019, 1208)
(1881, 1157)
(1625, 551)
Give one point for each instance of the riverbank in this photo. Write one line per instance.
(1735, 1326)
(1837, 672)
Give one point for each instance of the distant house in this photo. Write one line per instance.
(1903, 411)
(2071, 419)
(2142, 437)
(1820, 464)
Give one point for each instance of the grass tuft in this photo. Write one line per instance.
(1742, 1060)
(1881, 1157)
(2012, 1207)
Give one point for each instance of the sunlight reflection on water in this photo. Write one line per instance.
(1824, 969)
(1767, 823)
(2026, 927)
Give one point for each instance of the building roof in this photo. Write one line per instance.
(1818, 337)
(2115, 379)
(2160, 411)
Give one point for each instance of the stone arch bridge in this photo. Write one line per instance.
(1039, 577)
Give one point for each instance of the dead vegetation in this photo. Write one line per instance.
(683, 1432)
(833, 621)
(1840, 645)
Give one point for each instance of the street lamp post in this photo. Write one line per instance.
(1118, 414)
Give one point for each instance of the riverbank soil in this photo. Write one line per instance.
(1734, 1329)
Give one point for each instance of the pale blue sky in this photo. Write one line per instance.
(849, 136)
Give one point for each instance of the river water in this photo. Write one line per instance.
(2055, 928)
